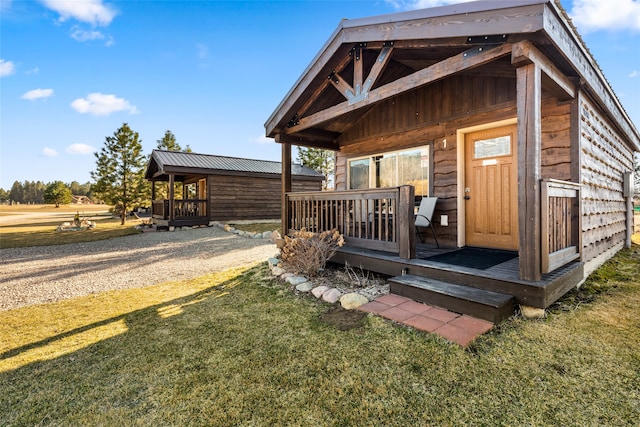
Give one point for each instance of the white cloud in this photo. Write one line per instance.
(100, 104)
(93, 12)
(49, 152)
(80, 149)
(81, 35)
(34, 94)
(262, 140)
(6, 68)
(34, 70)
(421, 4)
(594, 15)
(634, 73)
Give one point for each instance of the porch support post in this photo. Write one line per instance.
(576, 171)
(286, 187)
(406, 223)
(171, 197)
(529, 95)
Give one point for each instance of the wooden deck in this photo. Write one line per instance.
(502, 278)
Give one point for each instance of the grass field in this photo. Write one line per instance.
(239, 348)
(35, 225)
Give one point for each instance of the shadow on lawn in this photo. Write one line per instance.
(162, 310)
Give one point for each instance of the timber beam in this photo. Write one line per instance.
(360, 89)
(529, 94)
(525, 52)
(469, 59)
(286, 181)
(307, 142)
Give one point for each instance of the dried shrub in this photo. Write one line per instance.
(307, 253)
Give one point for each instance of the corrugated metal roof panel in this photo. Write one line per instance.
(208, 161)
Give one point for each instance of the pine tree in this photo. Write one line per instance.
(119, 175)
(16, 194)
(57, 193)
(168, 142)
(320, 160)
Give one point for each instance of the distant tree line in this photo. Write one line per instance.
(34, 192)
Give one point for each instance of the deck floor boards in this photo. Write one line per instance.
(502, 278)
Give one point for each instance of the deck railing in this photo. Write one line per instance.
(560, 223)
(182, 208)
(379, 219)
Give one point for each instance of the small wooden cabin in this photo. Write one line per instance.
(496, 108)
(219, 188)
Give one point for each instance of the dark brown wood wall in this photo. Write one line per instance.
(556, 140)
(451, 98)
(431, 114)
(604, 160)
(250, 197)
(435, 113)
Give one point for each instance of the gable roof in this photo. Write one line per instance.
(421, 38)
(164, 162)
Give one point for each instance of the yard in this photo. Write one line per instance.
(35, 225)
(239, 348)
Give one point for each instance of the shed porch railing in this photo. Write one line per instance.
(560, 223)
(182, 209)
(379, 219)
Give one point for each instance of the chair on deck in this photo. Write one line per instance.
(424, 216)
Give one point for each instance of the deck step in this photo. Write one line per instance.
(479, 303)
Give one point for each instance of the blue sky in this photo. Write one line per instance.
(73, 71)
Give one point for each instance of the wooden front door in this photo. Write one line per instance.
(491, 188)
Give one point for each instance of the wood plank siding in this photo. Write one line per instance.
(243, 197)
(431, 114)
(605, 158)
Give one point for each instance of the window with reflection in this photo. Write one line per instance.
(392, 169)
(359, 174)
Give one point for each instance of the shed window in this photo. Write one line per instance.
(407, 167)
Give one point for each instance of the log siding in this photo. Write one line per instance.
(605, 158)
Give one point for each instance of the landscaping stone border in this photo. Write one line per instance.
(270, 235)
(267, 235)
(328, 294)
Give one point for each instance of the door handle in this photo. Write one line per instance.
(467, 197)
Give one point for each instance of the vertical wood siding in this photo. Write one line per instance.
(605, 157)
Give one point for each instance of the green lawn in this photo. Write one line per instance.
(239, 348)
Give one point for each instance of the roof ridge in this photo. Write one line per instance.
(218, 156)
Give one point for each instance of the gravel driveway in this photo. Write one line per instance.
(51, 273)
